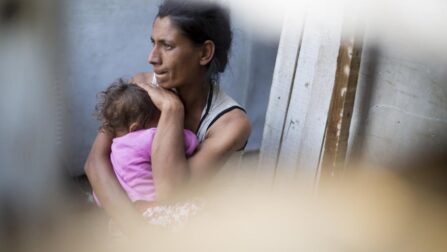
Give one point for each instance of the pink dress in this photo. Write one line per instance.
(131, 161)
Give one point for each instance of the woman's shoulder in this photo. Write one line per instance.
(234, 118)
(223, 114)
(234, 126)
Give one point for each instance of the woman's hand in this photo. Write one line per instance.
(165, 100)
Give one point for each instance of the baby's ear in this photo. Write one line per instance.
(134, 126)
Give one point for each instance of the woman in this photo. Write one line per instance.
(191, 41)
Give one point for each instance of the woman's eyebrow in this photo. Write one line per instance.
(162, 41)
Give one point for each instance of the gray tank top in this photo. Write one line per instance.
(218, 104)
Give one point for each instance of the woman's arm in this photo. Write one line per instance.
(170, 166)
(169, 163)
(106, 187)
(226, 136)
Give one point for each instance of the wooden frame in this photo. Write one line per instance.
(309, 72)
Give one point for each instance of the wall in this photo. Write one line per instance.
(400, 113)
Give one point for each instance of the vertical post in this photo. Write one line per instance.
(342, 104)
(305, 125)
(283, 76)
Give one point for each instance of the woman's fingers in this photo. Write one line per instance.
(162, 98)
(142, 78)
(143, 85)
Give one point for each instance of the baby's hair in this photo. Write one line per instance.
(122, 104)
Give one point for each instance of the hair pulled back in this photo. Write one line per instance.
(201, 21)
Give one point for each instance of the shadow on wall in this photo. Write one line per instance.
(364, 97)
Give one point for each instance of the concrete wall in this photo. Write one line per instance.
(108, 39)
(400, 113)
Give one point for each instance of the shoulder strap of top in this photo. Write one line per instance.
(218, 104)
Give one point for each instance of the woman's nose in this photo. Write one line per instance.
(154, 56)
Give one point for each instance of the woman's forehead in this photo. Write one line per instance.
(164, 29)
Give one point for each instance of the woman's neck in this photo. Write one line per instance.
(194, 98)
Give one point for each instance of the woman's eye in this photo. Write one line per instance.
(169, 47)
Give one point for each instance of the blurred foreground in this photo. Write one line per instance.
(368, 210)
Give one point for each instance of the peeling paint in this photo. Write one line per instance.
(343, 91)
(346, 70)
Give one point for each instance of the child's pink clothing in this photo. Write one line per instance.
(131, 161)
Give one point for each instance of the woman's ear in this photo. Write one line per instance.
(208, 48)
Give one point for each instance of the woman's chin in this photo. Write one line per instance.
(164, 84)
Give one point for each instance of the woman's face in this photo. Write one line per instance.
(175, 59)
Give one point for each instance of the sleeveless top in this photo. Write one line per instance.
(218, 104)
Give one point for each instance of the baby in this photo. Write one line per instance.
(128, 114)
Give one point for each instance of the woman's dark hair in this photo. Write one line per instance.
(122, 104)
(200, 21)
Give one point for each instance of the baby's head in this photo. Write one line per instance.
(124, 107)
